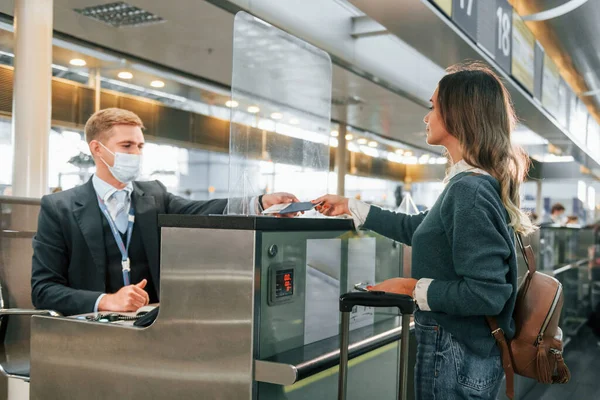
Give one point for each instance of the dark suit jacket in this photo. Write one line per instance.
(69, 258)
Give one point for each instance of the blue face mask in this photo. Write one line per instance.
(127, 166)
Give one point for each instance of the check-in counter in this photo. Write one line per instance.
(249, 310)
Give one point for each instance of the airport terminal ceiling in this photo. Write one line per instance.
(196, 38)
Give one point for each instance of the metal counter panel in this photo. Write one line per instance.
(201, 345)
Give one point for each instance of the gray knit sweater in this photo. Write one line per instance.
(465, 245)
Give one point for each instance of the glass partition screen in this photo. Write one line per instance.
(280, 110)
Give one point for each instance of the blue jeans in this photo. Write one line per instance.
(447, 370)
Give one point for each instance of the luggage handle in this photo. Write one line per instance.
(404, 303)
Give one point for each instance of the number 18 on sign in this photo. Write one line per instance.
(503, 34)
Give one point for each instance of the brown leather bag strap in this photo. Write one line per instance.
(507, 364)
(498, 333)
(528, 254)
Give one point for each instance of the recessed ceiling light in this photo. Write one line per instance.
(362, 141)
(253, 109)
(334, 133)
(294, 121)
(157, 84)
(349, 137)
(276, 115)
(231, 103)
(399, 152)
(372, 144)
(369, 151)
(408, 153)
(78, 62)
(125, 75)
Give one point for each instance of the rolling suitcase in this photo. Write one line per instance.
(406, 306)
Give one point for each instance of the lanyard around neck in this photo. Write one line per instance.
(124, 249)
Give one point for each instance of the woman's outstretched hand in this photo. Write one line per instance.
(396, 285)
(332, 205)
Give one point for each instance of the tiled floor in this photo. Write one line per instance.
(583, 358)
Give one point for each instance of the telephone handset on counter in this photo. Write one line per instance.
(144, 316)
(147, 319)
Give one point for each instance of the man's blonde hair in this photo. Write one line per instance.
(101, 122)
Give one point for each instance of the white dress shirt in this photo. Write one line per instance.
(360, 210)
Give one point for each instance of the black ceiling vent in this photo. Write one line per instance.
(119, 14)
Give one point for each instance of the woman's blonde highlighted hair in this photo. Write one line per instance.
(476, 109)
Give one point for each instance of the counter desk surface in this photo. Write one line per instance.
(126, 318)
(255, 223)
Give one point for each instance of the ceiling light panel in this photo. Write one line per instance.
(119, 14)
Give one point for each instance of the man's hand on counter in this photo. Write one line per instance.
(128, 298)
(269, 200)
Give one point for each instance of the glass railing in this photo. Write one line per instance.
(564, 252)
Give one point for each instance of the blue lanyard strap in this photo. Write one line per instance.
(125, 264)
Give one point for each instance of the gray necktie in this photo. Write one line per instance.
(120, 216)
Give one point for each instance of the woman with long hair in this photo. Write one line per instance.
(464, 263)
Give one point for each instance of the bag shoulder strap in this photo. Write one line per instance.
(498, 333)
(528, 254)
(507, 364)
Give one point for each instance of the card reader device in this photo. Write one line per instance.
(281, 284)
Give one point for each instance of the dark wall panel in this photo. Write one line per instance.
(64, 101)
(173, 124)
(284, 149)
(210, 132)
(6, 90)
(108, 100)
(85, 104)
(145, 110)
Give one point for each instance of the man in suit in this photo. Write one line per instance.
(97, 245)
